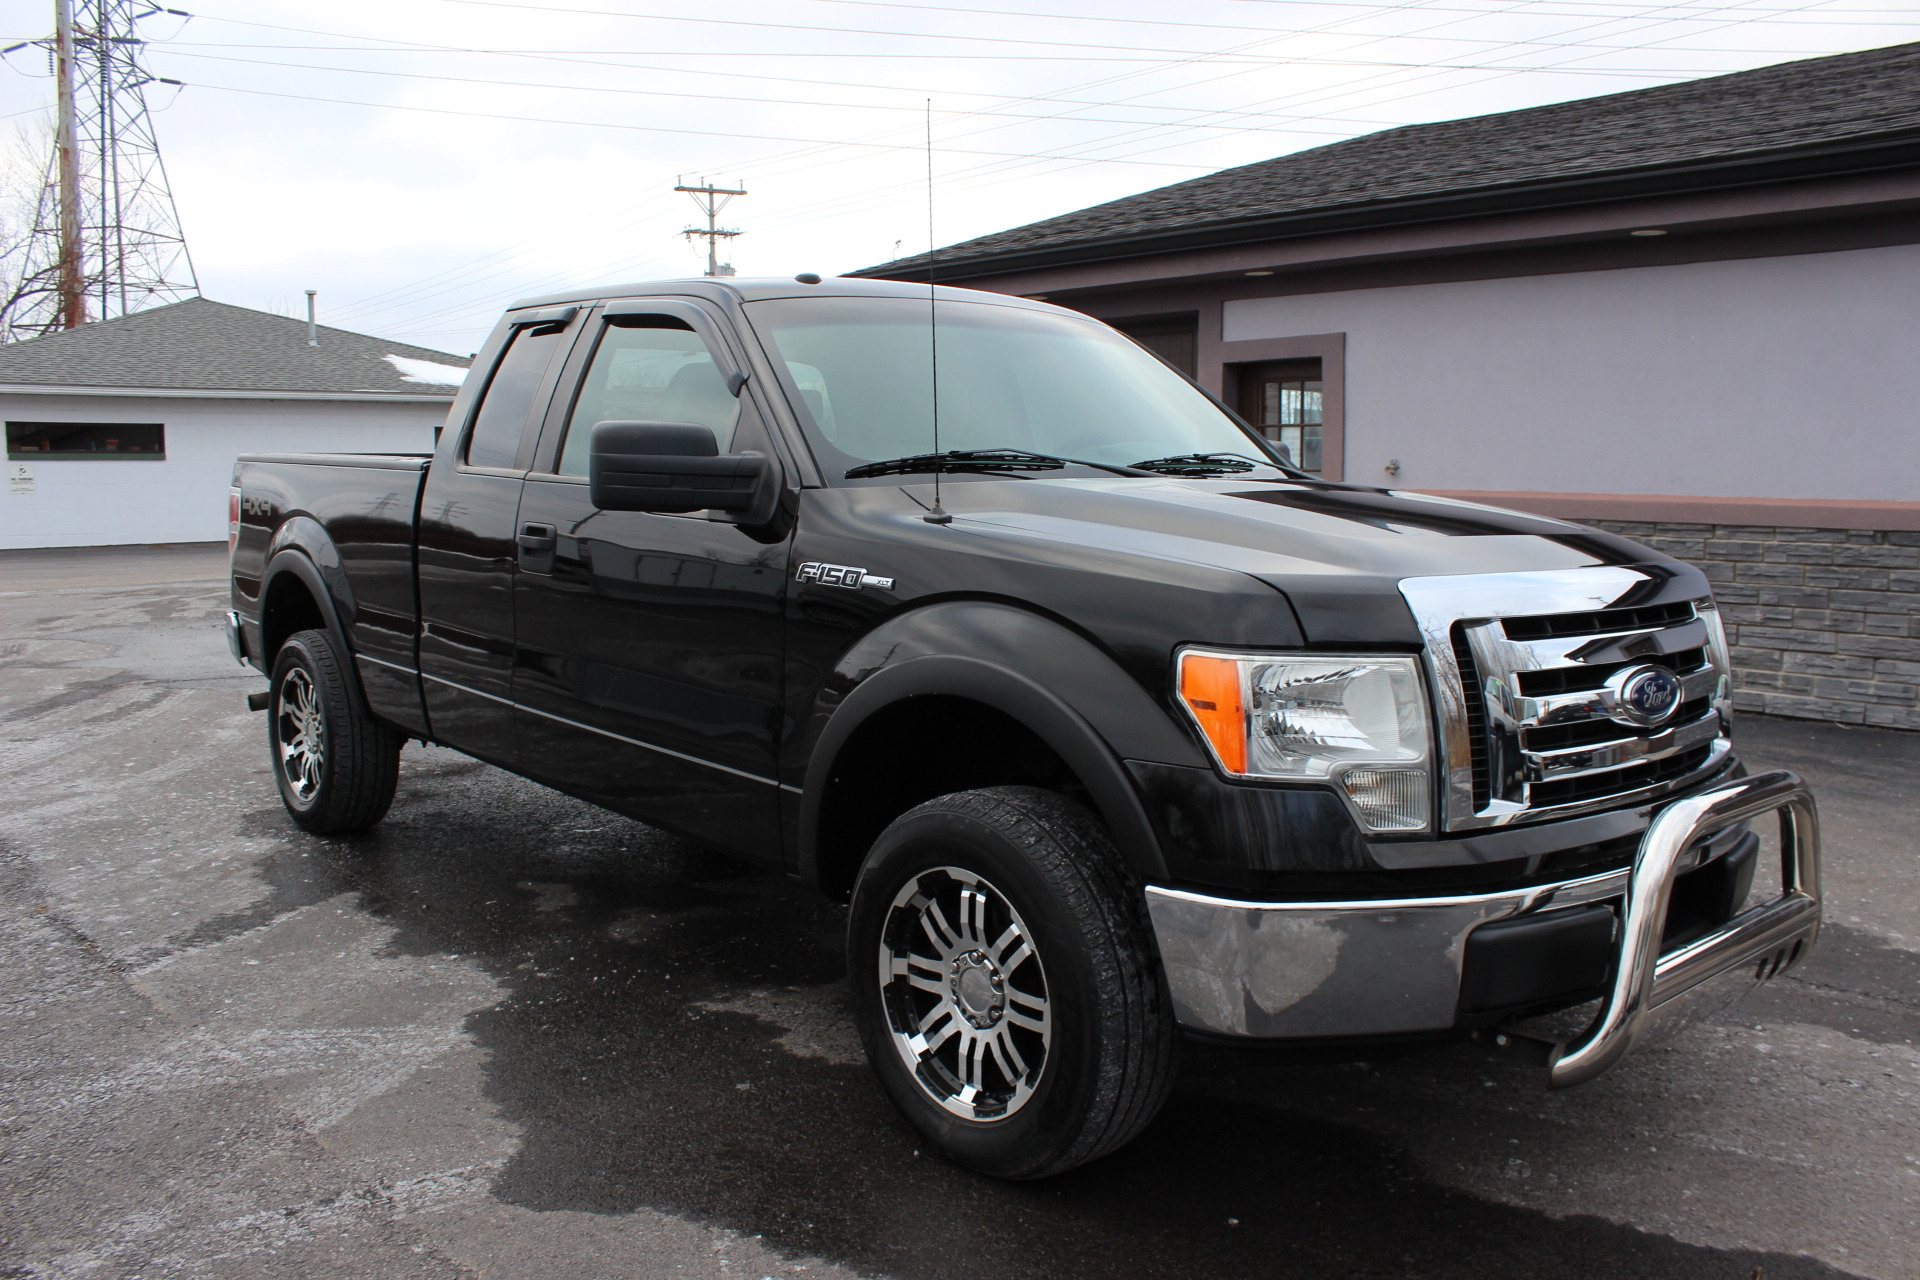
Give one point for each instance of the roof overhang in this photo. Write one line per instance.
(1870, 154)
(191, 393)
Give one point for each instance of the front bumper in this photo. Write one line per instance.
(1323, 970)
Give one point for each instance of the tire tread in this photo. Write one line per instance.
(1074, 851)
(363, 755)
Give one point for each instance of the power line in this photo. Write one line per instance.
(1207, 26)
(801, 102)
(1024, 161)
(635, 128)
(1005, 161)
(923, 35)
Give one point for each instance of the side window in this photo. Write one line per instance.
(648, 369)
(508, 399)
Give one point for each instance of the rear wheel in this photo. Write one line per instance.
(1005, 982)
(336, 766)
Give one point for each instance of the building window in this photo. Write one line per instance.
(1285, 400)
(1175, 339)
(85, 441)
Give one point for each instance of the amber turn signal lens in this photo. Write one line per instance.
(1211, 687)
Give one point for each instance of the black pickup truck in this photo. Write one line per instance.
(1111, 725)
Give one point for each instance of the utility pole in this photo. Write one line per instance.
(712, 200)
(71, 307)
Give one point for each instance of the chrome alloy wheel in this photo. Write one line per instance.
(965, 994)
(300, 733)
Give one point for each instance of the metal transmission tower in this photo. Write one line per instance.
(106, 238)
(712, 200)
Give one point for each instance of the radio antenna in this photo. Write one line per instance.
(939, 513)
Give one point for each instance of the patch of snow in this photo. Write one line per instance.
(439, 375)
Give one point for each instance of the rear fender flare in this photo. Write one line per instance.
(325, 581)
(328, 580)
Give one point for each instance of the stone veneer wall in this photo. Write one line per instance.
(1824, 623)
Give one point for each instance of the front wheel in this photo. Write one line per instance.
(337, 767)
(1005, 982)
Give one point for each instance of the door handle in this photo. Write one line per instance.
(536, 542)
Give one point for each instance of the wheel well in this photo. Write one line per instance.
(289, 607)
(912, 751)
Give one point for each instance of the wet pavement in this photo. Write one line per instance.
(508, 1034)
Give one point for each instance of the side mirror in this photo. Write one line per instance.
(669, 467)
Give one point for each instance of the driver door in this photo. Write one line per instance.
(648, 646)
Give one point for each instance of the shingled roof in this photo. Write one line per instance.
(1851, 113)
(200, 345)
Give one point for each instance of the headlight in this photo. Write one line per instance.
(1359, 722)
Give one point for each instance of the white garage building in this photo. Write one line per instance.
(125, 431)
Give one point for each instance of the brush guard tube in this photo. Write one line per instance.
(1648, 989)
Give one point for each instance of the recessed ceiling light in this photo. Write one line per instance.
(1647, 231)
(1259, 273)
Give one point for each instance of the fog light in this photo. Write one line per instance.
(1389, 799)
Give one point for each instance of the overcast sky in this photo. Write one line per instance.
(423, 162)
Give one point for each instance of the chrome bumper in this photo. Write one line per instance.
(1308, 970)
(236, 639)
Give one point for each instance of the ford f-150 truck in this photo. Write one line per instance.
(1111, 726)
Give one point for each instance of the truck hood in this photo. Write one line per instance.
(1338, 552)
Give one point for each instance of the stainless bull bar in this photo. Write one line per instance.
(1648, 988)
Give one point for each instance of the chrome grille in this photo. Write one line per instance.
(1529, 725)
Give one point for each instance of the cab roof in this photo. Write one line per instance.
(758, 289)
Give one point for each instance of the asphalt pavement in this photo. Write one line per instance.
(511, 1035)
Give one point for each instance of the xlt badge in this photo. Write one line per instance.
(840, 575)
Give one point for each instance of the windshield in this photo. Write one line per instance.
(1010, 378)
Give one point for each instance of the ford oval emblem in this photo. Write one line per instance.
(1643, 695)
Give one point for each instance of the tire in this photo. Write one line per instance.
(336, 766)
(1005, 982)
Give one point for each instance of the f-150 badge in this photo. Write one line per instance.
(841, 575)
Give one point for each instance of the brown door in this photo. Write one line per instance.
(1174, 339)
(1283, 399)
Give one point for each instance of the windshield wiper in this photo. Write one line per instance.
(981, 460)
(1203, 464)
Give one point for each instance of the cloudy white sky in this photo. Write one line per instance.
(423, 162)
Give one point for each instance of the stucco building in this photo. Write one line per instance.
(125, 431)
(1688, 313)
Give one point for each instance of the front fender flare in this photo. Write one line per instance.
(1057, 684)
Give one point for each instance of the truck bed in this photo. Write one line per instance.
(351, 517)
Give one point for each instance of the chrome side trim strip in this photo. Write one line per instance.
(478, 693)
(608, 733)
(394, 666)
